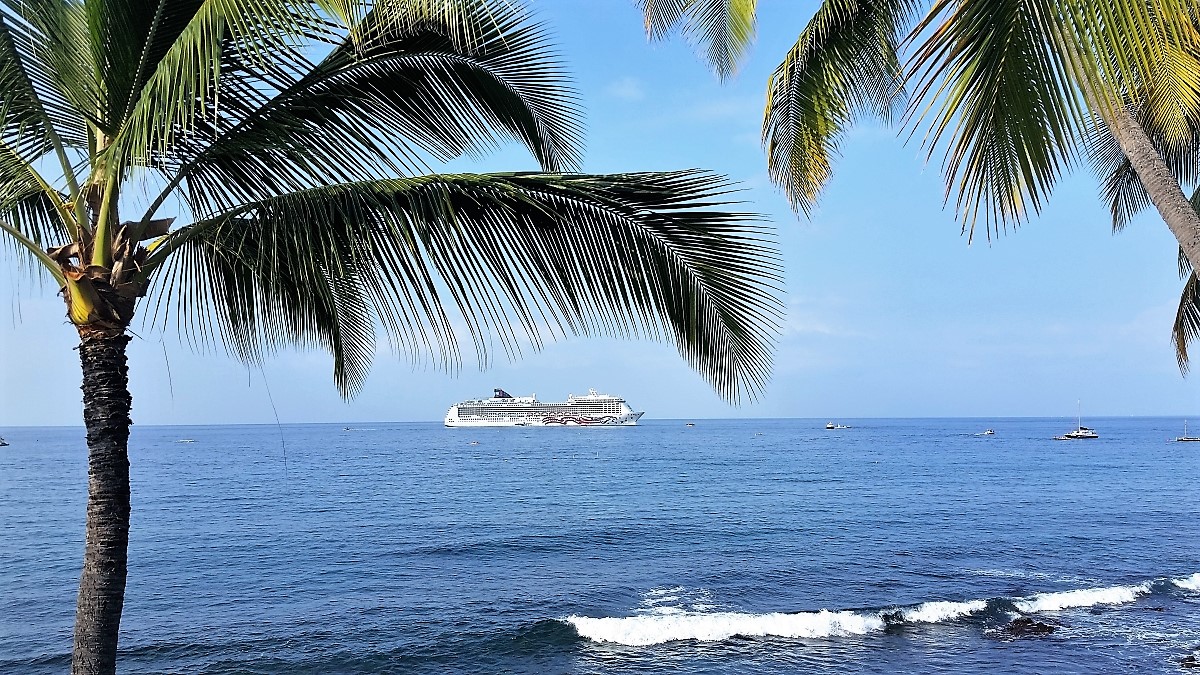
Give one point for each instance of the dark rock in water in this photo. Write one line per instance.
(1189, 661)
(1026, 626)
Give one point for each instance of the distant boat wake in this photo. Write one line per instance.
(661, 620)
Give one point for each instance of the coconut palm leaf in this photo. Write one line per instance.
(1186, 328)
(36, 115)
(1120, 187)
(724, 29)
(1000, 82)
(171, 84)
(844, 64)
(1166, 104)
(403, 87)
(28, 203)
(522, 257)
(1005, 107)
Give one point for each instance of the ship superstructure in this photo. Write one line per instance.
(506, 410)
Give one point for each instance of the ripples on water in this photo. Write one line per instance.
(754, 546)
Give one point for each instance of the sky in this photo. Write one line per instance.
(890, 312)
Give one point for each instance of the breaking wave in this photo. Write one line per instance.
(656, 629)
(1191, 583)
(1084, 597)
(671, 614)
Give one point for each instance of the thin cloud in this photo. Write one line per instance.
(626, 89)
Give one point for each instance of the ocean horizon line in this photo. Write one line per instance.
(647, 420)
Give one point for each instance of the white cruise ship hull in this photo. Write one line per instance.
(552, 421)
(503, 410)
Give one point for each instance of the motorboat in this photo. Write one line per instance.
(987, 432)
(831, 425)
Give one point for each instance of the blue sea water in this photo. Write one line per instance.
(749, 546)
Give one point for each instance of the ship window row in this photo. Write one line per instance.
(532, 410)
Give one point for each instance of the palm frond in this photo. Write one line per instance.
(1120, 186)
(519, 257)
(405, 86)
(1006, 108)
(724, 29)
(181, 91)
(28, 203)
(1126, 44)
(36, 116)
(843, 65)
(1186, 327)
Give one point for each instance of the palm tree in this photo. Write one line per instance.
(1010, 89)
(292, 141)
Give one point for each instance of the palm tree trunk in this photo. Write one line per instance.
(106, 405)
(1164, 190)
(1151, 169)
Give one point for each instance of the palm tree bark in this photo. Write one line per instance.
(1165, 192)
(106, 406)
(1163, 188)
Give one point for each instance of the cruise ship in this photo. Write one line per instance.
(506, 410)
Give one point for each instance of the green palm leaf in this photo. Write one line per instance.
(36, 115)
(1186, 328)
(844, 64)
(28, 204)
(1005, 106)
(403, 87)
(724, 29)
(1002, 83)
(163, 94)
(522, 257)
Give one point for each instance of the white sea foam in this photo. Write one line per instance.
(1084, 597)
(934, 612)
(652, 630)
(670, 614)
(1191, 583)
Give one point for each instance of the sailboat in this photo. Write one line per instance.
(1185, 437)
(1081, 432)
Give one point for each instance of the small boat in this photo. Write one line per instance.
(690, 424)
(831, 425)
(987, 432)
(3, 442)
(1182, 439)
(1081, 432)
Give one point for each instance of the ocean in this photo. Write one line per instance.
(731, 546)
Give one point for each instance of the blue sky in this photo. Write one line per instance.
(890, 312)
